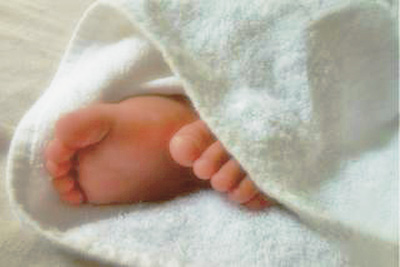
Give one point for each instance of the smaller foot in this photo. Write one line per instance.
(195, 146)
(74, 132)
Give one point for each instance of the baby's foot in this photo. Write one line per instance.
(118, 153)
(195, 146)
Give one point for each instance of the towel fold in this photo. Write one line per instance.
(304, 94)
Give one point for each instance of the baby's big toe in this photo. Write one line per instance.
(190, 142)
(84, 127)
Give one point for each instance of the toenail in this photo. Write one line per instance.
(178, 140)
(184, 141)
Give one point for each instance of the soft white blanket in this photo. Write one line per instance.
(303, 93)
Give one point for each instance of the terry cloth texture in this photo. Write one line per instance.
(303, 93)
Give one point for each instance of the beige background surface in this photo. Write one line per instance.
(33, 37)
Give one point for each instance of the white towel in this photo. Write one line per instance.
(303, 93)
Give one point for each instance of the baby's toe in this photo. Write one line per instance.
(64, 184)
(56, 151)
(244, 192)
(259, 202)
(210, 161)
(228, 176)
(73, 197)
(58, 169)
(190, 142)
